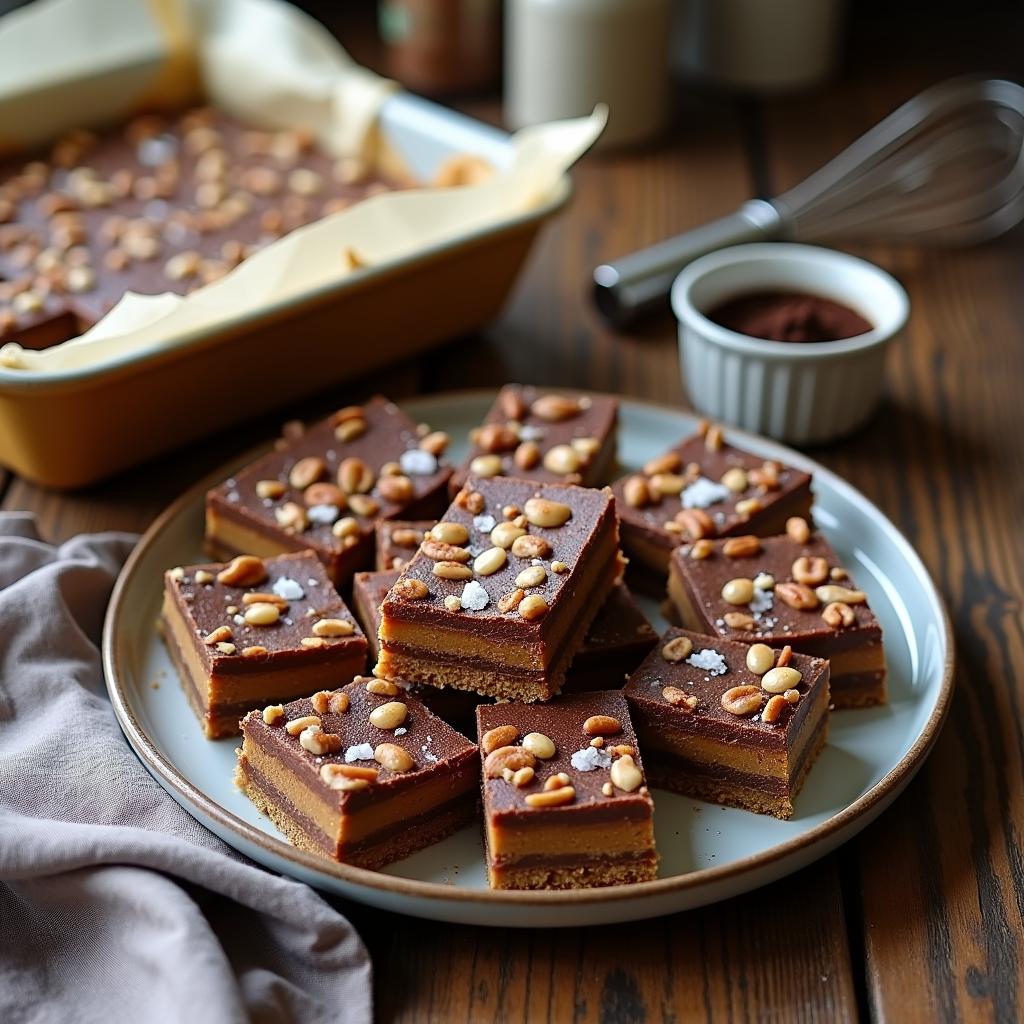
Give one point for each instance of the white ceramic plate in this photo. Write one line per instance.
(707, 852)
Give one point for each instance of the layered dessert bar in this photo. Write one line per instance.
(254, 631)
(363, 774)
(789, 589)
(325, 487)
(398, 540)
(502, 603)
(163, 204)
(727, 722)
(456, 707)
(535, 434)
(703, 487)
(565, 800)
(619, 638)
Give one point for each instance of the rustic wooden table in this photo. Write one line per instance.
(922, 917)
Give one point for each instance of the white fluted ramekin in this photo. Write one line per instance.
(803, 393)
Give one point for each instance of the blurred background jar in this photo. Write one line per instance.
(442, 47)
(563, 57)
(768, 46)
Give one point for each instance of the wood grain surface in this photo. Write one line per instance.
(922, 917)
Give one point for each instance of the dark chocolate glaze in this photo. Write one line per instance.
(204, 608)
(645, 686)
(436, 748)
(389, 433)
(649, 521)
(596, 418)
(183, 224)
(391, 553)
(562, 720)
(588, 534)
(704, 579)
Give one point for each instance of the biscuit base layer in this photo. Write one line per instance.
(574, 876)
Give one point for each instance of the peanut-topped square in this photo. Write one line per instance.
(704, 487)
(536, 434)
(732, 723)
(500, 596)
(324, 488)
(790, 589)
(364, 774)
(565, 800)
(254, 631)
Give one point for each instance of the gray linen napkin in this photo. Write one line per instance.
(115, 905)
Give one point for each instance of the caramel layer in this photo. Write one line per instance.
(580, 840)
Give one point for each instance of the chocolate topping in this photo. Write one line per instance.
(562, 720)
(705, 491)
(778, 624)
(525, 415)
(298, 579)
(647, 683)
(389, 437)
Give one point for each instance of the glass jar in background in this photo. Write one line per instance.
(562, 57)
(442, 47)
(757, 46)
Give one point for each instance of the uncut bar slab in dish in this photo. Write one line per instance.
(703, 487)
(255, 631)
(564, 794)
(537, 434)
(398, 540)
(725, 722)
(364, 777)
(162, 204)
(324, 488)
(789, 589)
(499, 600)
(618, 639)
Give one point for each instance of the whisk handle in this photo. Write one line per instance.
(638, 284)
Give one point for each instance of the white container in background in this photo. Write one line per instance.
(763, 45)
(562, 57)
(799, 392)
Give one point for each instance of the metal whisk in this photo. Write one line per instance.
(945, 168)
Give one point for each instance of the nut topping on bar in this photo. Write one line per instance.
(742, 700)
(394, 757)
(390, 715)
(539, 745)
(677, 649)
(499, 736)
(838, 614)
(509, 757)
(243, 571)
(602, 725)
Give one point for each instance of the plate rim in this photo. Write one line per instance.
(865, 807)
